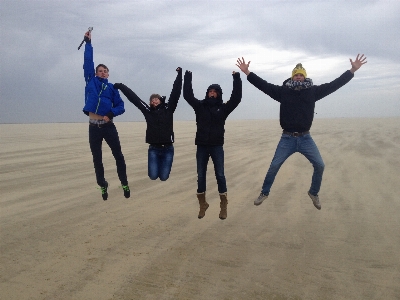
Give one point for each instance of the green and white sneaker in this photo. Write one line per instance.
(127, 191)
(104, 192)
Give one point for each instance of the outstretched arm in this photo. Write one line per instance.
(271, 90)
(324, 90)
(355, 65)
(131, 96)
(176, 90)
(243, 66)
(188, 90)
(88, 64)
(236, 95)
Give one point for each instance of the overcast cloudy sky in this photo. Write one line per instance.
(142, 43)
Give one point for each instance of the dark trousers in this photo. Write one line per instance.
(203, 154)
(110, 134)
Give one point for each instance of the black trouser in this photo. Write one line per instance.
(109, 133)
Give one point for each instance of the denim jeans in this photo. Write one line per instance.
(286, 147)
(110, 135)
(202, 156)
(160, 162)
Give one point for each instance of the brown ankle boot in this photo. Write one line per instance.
(203, 204)
(224, 206)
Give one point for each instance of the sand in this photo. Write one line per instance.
(60, 240)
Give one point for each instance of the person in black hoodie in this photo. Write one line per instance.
(160, 131)
(297, 97)
(211, 114)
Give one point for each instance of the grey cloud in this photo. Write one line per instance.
(143, 42)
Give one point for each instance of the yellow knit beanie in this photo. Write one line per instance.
(299, 70)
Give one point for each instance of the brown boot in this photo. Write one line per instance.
(224, 206)
(203, 204)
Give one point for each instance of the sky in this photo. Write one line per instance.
(143, 42)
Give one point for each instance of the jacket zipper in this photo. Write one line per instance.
(98, 102)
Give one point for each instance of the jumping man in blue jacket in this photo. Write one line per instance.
(102, 104)
(297, 97)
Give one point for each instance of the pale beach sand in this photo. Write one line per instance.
(60, 240)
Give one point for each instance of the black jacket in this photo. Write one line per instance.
(159, 120)
(211, 113)
(297, 106)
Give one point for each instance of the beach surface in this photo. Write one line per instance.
(60, 240)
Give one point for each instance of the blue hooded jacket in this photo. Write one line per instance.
(100, 96)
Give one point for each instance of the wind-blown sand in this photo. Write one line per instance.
(60, 240)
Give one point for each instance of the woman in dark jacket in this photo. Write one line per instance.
(160, 131)
(211, 114)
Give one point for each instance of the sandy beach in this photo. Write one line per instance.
(60, 240)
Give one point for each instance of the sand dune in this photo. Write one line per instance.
(59, 240)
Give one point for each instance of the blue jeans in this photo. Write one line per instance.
(110, 134)
(286, 147)
(160, 162)
(217, 155)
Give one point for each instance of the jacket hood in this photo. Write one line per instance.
(216, 87)
(217, 100)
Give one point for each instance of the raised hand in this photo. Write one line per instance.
(241, 63)
(360, 60)
(188, 76)
(117, 85)
(88, 36)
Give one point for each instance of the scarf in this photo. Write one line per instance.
(298, 85)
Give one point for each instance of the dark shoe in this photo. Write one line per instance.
(104, 192)
(127, 191)
(315, 200)
(260, 199)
